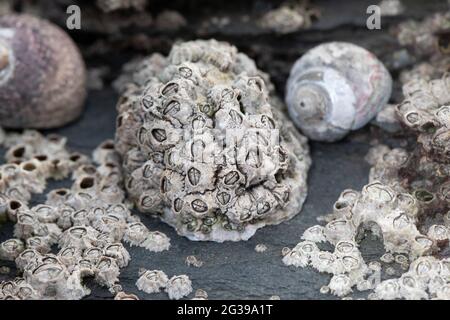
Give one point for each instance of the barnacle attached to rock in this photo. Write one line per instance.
(42, 74)
(334, 88)
(179, 287)
(113, 5)
(152, 281)
(210, 152)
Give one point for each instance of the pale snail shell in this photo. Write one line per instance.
(334, 88)
(42, 74)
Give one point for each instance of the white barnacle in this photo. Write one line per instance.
(136, 233)
(152, 281)
(314, 234)
(11, 249)
(179, 287)
(156, 242)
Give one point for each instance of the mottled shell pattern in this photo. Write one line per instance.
(42, 74)
(177, 110)
(334, 88)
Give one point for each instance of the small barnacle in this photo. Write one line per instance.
(156, 242)
(325, 100)
(387, 257)
(45, 69)
(69, 256)
(193, 261)
(105, 153)
(106, 271)
(45, 213)
(340, 285)
(10, 249)
(179, 287)
(26, 225)
(260, 247)
(439, 234)
(314, 234)
(14, 207)
(125, 296)
(324, 289)
(119, 253)
(152, 281)
(201, 294)
(40, 244)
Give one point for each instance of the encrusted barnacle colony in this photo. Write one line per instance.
(42, 74)
(206, 146)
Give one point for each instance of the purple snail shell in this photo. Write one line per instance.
(42, 74)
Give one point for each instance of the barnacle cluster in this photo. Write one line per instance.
(86, 222)
(206, 146)
(289, 18)
(406, 204)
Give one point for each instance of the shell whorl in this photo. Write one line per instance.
(42, 74)
(335, 88)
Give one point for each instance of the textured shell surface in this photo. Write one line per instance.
(334, 88)
(42, 76)
(206, 146)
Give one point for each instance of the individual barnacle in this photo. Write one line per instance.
(156, 242)
(26, 257)
(391, 7)
(201, 294)
(106, 271)
(112, 224)
(125, 296)
(314, 234)
(340, 285)
(70, 256)
(79, 236)
(152, 281)
(421, 36)
(40, 244)
(170, 20)
(105, 153)
(177, 125)
(119, 253)
(334, 88)
(11, 249)
(136, 233)
(301, 255)
(193, 261)
(179, 287)
(260, 247)
(51, 92)
(14, 208)
(113, 5)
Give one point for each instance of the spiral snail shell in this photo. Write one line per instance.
(334, 88)
(42, 74)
